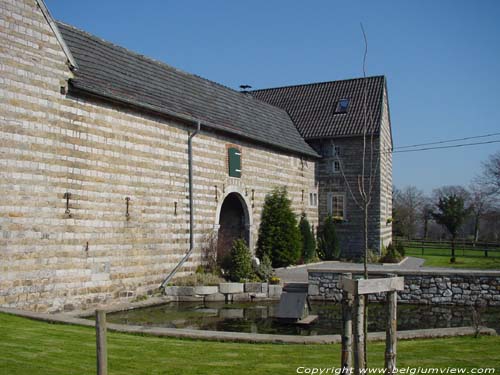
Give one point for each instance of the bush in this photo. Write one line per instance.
(196, 279)
(328, 242)
(308, 242)
(209, 254)
(400, 248)
(391, 255)
(265, 269)
(240, 265)
(279, 235)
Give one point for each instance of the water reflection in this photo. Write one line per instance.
(257, 317)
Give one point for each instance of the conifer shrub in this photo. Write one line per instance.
(308, 241)
(279, 235)
(240, 263)
(328, 242)
(391, 255)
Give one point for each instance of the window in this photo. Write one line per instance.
(234, 162)
(336, 166)
(336, 206)
(335, 151)
(342, 106)
(313, 199)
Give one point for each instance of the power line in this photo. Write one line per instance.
(447, 141)
(443, 147)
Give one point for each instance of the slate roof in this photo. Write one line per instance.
(312, 107)
(113, 72)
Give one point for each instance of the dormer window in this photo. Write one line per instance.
(342, 106)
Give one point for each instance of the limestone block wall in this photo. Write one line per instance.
(385, 175)
(422, 287)
(55, 256)
(351, 230)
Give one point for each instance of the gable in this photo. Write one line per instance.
(314, 108)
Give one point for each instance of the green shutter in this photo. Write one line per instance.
(234, 157)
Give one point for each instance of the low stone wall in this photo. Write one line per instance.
(454, 287)
(230, 292)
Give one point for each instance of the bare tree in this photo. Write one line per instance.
(448, 190)
(491, 225)
(365, 184)
(408, 203)
(481, 201)
(426, 215)
(490, 176)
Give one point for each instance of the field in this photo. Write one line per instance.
(438, 255)
(38, 348)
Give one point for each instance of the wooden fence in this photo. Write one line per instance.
(486, 248)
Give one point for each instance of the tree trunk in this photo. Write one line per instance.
(426, 228)
(476, 229)
(365, 298)
(359, 340)
(347, 305)
(452, 260)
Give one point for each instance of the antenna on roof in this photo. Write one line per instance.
(244, 88)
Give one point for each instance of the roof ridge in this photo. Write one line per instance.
(140, 55)
(319, 83)
(164, 64)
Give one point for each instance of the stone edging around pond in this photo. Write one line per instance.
(230, 292)
(241, 336)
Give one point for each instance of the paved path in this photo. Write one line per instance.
(299, 273)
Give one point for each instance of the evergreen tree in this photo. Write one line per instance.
(328, 242)
(240, 267)
(308, 241)
(279, 235)
(451, 215)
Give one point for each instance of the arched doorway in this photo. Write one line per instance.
(233, 223)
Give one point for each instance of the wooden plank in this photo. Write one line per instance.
(391, 333)
(101, 347)
(362, 286)
(348, 285)
(380, 285)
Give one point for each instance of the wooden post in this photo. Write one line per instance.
(101, 347)
(391, 330)
(359, 349)
(346, 355)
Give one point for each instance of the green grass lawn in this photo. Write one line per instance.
(464, 259)
(37, 348)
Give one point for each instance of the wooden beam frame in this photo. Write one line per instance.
(369, 286)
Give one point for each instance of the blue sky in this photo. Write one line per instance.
(441, 59)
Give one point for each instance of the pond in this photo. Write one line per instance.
(257, 317)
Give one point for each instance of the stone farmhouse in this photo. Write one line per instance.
(116, 168)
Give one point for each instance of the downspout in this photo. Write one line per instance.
(191, 213)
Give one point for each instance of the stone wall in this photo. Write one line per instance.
(385, 183)
(333, 182)
(422, 287)
(52, 143)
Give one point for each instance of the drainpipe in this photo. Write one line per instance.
(191, 213)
